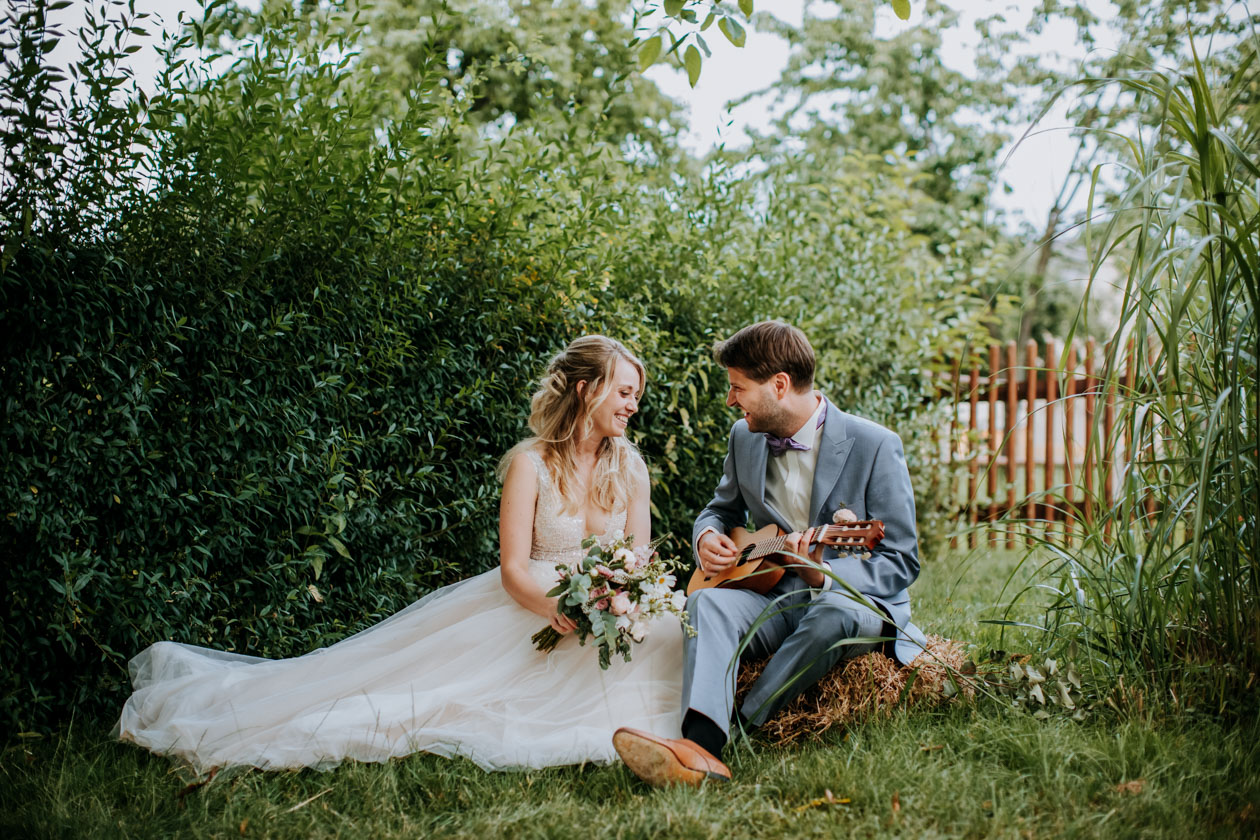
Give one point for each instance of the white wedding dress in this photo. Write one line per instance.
(454, 674)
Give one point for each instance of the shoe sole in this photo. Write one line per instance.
(656, 763)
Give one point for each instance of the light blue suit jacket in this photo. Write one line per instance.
(861, 466)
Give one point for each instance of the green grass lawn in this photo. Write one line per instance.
(966, 770)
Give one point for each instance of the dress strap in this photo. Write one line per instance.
(540, 468)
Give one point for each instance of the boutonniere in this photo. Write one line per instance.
(842, 515)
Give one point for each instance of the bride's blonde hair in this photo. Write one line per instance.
(560, 417)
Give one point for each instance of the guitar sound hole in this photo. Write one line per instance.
(744, 556)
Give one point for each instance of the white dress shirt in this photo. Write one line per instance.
(790, 476)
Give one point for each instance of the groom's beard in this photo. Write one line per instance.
(771, 418)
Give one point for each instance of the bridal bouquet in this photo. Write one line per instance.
(611, 593)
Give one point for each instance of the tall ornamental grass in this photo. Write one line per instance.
(1158, 592)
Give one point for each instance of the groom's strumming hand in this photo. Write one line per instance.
(717, 552)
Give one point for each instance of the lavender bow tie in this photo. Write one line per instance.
(779, 445)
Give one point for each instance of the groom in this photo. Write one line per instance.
(794, 460)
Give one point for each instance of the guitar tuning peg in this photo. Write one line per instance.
(866, 555)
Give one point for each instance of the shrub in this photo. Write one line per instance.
(827, 245)
(266, 334)
(258, 402)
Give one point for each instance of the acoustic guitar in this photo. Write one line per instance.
(761, 554)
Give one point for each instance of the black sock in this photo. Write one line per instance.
(697, 727)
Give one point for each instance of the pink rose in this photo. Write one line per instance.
(620, 604)
(601, 604)
(599, 592)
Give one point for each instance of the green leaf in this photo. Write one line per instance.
(746, 6)
(673, 7)
(708, 21)
(340, 547)
(902, 8)
(691, 60)
(649, 52)
(733, 31)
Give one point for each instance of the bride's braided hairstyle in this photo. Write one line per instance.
(560, 417)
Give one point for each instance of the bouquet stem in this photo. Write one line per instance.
(546, 639)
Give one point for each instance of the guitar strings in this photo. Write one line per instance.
(774, 545)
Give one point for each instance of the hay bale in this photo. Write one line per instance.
(856, 689)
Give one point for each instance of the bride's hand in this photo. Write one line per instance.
(562, 624)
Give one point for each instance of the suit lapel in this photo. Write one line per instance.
(833, 452)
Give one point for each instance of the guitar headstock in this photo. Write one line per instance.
(852, 537)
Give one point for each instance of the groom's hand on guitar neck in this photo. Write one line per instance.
(798, 543)
(717, 552)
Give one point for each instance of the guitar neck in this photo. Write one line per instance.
(774, 545)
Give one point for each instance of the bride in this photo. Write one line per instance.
(454, 673)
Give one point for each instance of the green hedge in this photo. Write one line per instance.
(266, 335)
(264, 406)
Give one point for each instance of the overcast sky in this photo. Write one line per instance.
(1034, 170)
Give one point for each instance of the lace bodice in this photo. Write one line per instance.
(558, 535)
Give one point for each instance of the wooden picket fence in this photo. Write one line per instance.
(1031, 437)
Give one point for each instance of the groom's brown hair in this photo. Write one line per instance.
(768, 347)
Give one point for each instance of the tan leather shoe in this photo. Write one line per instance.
(665, 761)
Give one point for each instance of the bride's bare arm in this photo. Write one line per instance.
(639, 515)
(516, 529)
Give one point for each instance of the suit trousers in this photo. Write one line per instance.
(804, 637)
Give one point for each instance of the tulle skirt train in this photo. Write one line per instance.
(453, 674)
